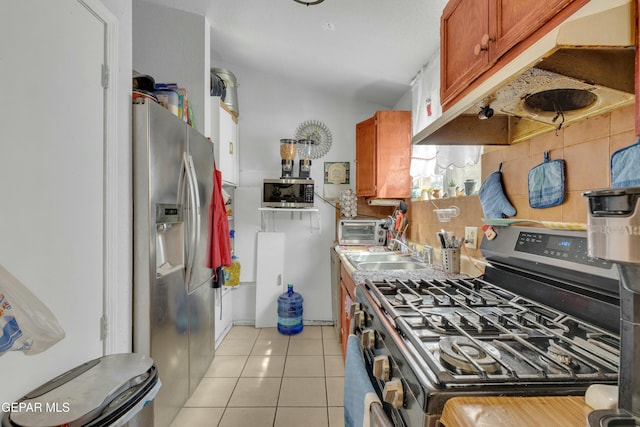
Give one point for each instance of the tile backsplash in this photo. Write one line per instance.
(586, 148)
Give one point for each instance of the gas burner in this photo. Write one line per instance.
(563, 359)
(403, 298)
(454, 349)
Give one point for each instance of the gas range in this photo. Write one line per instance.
(542, 320)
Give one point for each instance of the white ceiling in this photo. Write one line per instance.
(366, 49)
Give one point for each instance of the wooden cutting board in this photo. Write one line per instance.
(565, 411)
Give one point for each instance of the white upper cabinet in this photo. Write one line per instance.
(224, 134)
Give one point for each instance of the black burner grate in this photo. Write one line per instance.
(471, 331)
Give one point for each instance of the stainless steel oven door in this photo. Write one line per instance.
(390, 372)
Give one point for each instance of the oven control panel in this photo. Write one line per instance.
(568, 248)
(557, 253)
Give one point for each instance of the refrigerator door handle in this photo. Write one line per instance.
(195, 204)
(185, 189)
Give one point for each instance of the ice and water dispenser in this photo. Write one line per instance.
(169, 238)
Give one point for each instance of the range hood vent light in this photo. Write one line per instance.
(560, 100)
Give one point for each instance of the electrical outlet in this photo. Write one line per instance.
(471, 237)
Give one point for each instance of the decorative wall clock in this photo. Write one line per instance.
(318, 133)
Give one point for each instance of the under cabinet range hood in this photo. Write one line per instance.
(581, 69)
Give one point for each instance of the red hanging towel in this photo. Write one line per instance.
(219, 242)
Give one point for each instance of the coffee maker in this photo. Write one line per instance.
(304, 154)
(288, 148)
(613, 234)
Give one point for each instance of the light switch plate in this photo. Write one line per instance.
(471, 237)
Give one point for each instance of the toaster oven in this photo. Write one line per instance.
(362, 232)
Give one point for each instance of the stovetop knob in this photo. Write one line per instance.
(358, 319)
(393, 393)
(354, 307)
(381, 368)
(369, 339)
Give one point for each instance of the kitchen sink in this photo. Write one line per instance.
(385, 261)
(376, 257)
(391, 265)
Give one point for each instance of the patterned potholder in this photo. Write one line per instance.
(546, 183)
(492, 198)
(625, 166)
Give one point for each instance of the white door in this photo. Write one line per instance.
(269, 282)
(52, 176)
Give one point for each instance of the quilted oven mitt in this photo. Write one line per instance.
(625, 166)
(492, 198)
(546, 183)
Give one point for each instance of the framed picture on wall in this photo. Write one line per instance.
(336, 172)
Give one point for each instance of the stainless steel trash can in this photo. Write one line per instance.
(115, 390)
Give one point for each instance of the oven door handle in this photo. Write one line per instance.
(378, 416)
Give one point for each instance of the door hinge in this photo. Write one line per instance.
(105, 76)
(104, 327)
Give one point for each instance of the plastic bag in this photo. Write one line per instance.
(26, 324)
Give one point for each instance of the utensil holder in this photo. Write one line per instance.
(451, 260)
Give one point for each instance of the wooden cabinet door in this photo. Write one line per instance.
(366, 158)
(393, 149)
(344, 319)
(463, 54)
(511, 21)
(383, 155)
(347, 297)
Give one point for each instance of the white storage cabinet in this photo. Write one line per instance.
(224, 134)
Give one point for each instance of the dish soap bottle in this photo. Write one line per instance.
(232, 273)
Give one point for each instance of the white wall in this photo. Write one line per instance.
(271, 108)
(173, 47)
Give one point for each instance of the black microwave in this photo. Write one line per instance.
(287, 193)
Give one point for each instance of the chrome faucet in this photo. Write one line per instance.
(426, 254)
(404, 248)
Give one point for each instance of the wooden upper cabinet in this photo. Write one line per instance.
(511, 21)
(366, 157)
(383, 155)
(463, 25)
(475, 34)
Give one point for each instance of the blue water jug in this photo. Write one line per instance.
(290, 312)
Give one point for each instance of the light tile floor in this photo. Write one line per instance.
(261, 378)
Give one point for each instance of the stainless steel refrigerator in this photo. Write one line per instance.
(173, 297)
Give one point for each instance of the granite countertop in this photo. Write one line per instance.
(434, 272)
